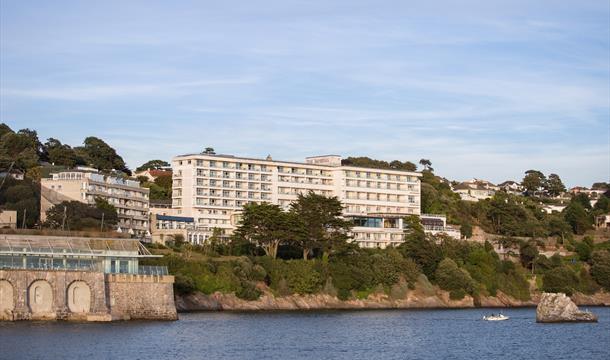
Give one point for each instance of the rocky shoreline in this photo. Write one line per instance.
(415, 299)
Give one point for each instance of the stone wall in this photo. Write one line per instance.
(84, 296)
(141, 296)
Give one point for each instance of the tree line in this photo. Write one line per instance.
(261, 253)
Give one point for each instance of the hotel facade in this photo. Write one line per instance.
(212, 189)
(130, 200)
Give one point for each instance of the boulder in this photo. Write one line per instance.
(560, 308)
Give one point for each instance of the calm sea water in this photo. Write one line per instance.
(392, 334)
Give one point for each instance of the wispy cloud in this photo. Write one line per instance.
(100, 92)
(484, 89)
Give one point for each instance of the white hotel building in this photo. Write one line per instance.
(212, 189)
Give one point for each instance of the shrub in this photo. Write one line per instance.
(560, 279)
(248, 291)
(329, 289)
(450, 277)
(302, 277)
(600, 268)
(482, 267)
(184, 284)
(457, 294)
(584, 249)
(586, 283)
(399, 290)
(512, 281)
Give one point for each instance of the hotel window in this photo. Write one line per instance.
(411, 199)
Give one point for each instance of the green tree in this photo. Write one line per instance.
(424, 252)
(466, 230)
(101, 156)
(506, 215)
(451, 278)
(560, 279)
(4, 129)
(554, 186)
(62, 154)
(427, 164)
(153, 165)
(321, 225)
(596, 186)
(602, 205)
(528, 252)
(266, 225)
(578, 218)
(557, 226)
(165, 181)
(363, 161)
(110, 215)
(81, 216)
(584, 250)
(600, 268)
(22, 196)
(583, 199)
(20, 148)
(533, 181)
(157, 192)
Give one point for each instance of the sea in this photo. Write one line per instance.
(364, 334)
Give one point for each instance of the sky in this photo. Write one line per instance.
(485, 89)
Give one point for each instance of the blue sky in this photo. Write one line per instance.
(484, 89)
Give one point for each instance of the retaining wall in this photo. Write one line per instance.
(84, 296)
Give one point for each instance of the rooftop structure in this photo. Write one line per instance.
(152, 174)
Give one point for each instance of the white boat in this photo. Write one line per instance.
(494, 317)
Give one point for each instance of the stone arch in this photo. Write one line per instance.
(40, 297)
(7, 297)
(79, 297)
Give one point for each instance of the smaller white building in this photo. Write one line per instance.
(475, 190)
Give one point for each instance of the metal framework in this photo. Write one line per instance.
(73, 247)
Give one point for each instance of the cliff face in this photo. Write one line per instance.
(415, 299)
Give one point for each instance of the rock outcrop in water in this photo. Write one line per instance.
(560, 308)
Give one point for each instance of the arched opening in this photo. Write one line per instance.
(79, 297)
(7, 301)
(40, 297)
